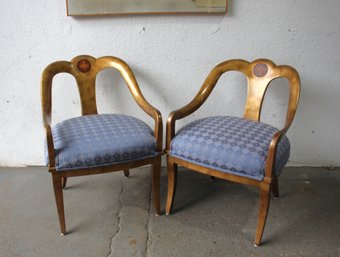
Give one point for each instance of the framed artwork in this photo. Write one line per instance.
(117, 7)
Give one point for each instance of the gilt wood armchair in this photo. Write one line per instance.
(98, 143)
(242, 150)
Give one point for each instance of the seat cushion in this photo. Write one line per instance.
(100, 140)
(229, 144)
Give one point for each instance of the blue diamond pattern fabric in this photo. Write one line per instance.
(100, 140)
(229, 144)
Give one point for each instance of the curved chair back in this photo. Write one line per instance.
(84, 69)
(259, 74)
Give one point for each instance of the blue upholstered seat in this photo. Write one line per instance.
(229, 144)
(100, 140)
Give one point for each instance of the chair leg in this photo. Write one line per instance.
(63, 182)
(58, 194)
(275, 189)
(156, 176)
(264, 206)
(172, 183)
(127, 173)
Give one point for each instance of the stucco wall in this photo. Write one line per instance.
(171, 56)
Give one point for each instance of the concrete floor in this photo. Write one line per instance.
(109, 215)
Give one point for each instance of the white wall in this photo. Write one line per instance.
(171, 56)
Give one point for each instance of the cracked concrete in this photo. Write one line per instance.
(148, 242)
(134, 216)
(111, 215)
(118, 219)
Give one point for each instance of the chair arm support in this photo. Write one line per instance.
(158, 129)
(186, 110)
(155, 114)
(132, 84)
(270, 162)
(199, 98)
(50, 144)
(170, 130)
(46, 101)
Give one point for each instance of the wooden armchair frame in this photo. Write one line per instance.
(85, 68)
(259, 74)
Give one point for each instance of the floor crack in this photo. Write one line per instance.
(118, 217)
(148, 241)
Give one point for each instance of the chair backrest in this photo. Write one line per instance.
(85, 68)
(259, 74)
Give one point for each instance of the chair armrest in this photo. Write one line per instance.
(46, 102)
(201, 96)
(171, 122)
(191, 107)
(132, 84)
(294, 94)
(270, 162)
(158, 128)
(49, 140)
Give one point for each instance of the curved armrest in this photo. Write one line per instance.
(50, 145)
(158, 128)
(201, 96)
(46, 102)
(132, 84)
(294, 95)
(191, 107)
(179, 114)
(271, 156)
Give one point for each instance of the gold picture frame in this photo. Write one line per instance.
(122, 7)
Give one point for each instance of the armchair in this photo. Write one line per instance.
(98, 143)
(242, 150)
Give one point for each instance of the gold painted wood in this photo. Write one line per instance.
(172, 184)
(59, 199)
(218, 7)
(259, 74)
(84, 69)
(126, 172)
(214, 173)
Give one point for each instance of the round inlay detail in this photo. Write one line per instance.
(260, 70)
(84, 65)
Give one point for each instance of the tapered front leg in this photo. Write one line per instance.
(275, 188)
(63, 182)
(172, 183)
(127, 173)
(264, 206)
(58, 194)
(156, 176)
